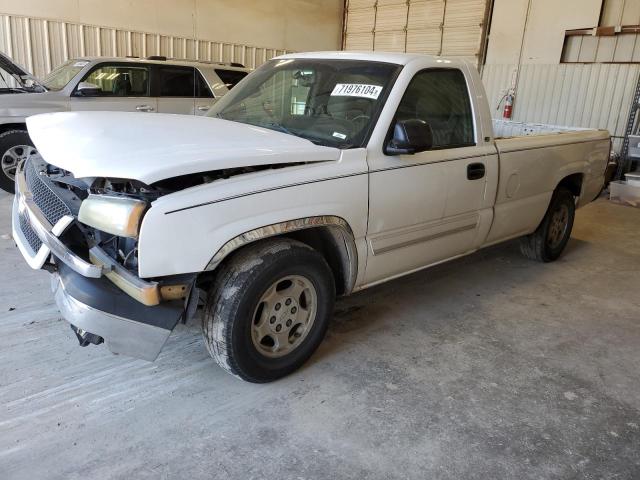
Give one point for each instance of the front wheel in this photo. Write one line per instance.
(549, 240)
(268, 310)
(15, 146)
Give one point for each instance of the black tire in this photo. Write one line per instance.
(234, 298)
(546, 243)
(10, 139)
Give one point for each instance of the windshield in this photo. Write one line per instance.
(330, 102)
(61, 76)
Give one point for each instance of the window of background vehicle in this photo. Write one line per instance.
(176, 81)
(202, 89)
(120, 81)
(61, 76)
(440, 98)
(230, 77)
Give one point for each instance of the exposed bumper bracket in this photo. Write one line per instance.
(85, 338)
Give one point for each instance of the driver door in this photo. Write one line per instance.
(433, 205)
(121, 87)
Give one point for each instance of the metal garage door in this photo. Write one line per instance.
(438, 27)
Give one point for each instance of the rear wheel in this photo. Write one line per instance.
(268, 310)
(15, 146)
(549, 240)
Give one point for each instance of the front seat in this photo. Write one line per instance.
(122, 86)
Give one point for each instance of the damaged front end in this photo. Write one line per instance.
(94, 262)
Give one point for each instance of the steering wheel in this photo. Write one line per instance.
(361, 116)
(359, 122)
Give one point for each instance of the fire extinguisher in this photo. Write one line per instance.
(508, 105)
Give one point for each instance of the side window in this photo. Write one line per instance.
(440, 97)
(202, 89)
(120, 81)
(176, 81)
(230, 77)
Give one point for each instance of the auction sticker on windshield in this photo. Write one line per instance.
(356, 90)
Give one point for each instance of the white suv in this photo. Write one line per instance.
(154, 84)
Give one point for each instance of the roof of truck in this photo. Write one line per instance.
(387, 57)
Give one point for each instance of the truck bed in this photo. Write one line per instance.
(533, 160)
(509, 129)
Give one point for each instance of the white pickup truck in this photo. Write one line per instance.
(319, 175)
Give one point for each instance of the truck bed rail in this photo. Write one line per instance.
(508, 128)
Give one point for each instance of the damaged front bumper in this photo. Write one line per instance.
(101, 299)
(97, 306)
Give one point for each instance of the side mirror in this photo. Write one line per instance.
(409, 137)
(87, 89)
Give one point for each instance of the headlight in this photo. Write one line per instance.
(117, 215)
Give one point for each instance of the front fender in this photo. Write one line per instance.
(183, 234)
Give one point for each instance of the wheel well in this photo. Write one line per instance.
(573, 183)
(13, 126)
(331, 242)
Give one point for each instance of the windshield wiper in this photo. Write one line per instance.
(280, 128)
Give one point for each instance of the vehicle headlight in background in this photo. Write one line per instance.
(116, 215)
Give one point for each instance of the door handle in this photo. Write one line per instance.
(145, 108)
(475, 171)
(203, 108)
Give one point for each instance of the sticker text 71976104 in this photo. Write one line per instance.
(356, 90)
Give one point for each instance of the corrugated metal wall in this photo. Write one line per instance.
(593, 95)
(438, 27)
(621, 48)
(41, 45)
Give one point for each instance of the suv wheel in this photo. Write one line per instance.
(15, 147)
(268, 310)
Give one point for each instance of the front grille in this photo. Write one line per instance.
(51, 206)
(32, 239)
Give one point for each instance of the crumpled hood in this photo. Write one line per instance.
(153, 146)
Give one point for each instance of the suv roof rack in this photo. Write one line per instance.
(207, 62)
(227, 64)
(163, 58)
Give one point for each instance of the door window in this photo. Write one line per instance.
(440, 97)
(176, 81)
(120, 81)
(230, 78)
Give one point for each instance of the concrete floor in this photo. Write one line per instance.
(490, 367)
